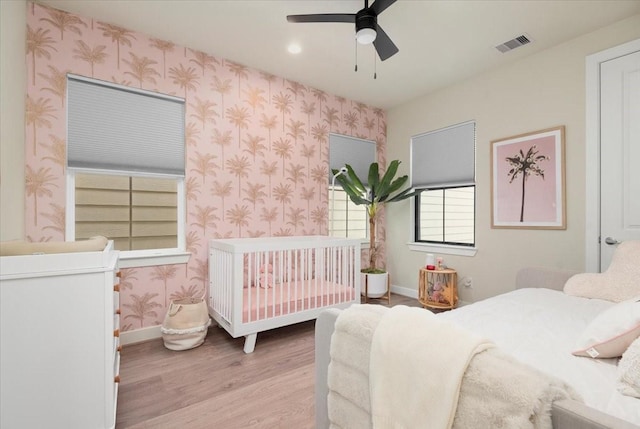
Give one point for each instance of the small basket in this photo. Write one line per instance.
(185, 324)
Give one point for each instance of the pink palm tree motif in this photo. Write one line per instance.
(351, 119)
(308, 152)
(379, 113)
(141, 69)
(254, 193)
(254, 146)
(119, 35)
(283, 103)
(221, 190)
(269, 216)
(269, 78)
(296, 88)
(268, 122)
(204, 164)
(308, 194)
(308, 109)
(201, 271)
(255, 99)
(282, 193)
(164, 273)
(191, 189)
(239, 216)
(38, 184)
(63, 21)
(330, 117)
(37, 115)
(192, 292)
(296, 130)
(320, 96)
(39, 44)
(127, 276)
(283, 149)
(239, 167)
(204, 217)
(269, 169)
(369, 124)
(142, 307)
(57, 80)
(184, 77)
(203, 111)
(240, 71)
(361, 108)
(57, 150)
(296, 174)
(204, 61)
(164, 46)
(239, 116)
(222, 87)
(90, 55)
(57, 216)
(190, 134)
(341, 100)
(296, 217)
(319, 175)
(222, 139)
(319, 216)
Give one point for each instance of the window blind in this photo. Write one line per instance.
(444, 157)
(113, 127)
(358, 153)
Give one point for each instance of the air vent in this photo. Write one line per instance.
(516, 42)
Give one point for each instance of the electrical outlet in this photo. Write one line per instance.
(468, 282)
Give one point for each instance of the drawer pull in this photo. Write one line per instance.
(118, 311)
(116, 288)
(119, 348)
(116, 379)
(116, 333)
(119, 274)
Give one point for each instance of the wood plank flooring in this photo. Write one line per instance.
(217, 385)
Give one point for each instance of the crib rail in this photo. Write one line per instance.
(262, 283)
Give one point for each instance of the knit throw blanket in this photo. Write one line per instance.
(384, 373)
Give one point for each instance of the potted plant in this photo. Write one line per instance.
(378, 193)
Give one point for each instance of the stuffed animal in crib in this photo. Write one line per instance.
(265, 279)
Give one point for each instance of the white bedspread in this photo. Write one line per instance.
(411, 344)
(519, 321)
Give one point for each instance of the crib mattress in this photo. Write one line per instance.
(292, 297)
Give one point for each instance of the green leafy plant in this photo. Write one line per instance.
(378, 193)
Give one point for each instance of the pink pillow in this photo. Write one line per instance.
(611, 332)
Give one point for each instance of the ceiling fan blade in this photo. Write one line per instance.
(379, 5)
(384, 46)
(323, 17)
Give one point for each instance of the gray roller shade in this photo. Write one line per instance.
(113, 127)
(445, 157)
(358, 153)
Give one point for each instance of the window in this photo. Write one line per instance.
(443, 163)
(347, 219)
(125, 169)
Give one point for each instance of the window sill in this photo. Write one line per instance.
(444, 249)
(151, 258)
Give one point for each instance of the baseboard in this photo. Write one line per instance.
(140, 335)
(404, 291)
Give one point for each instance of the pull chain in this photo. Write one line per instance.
(375, 63)
(356, 55)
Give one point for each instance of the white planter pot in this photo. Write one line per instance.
(376, 286)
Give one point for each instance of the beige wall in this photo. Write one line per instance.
(538, 92)
(13, 71)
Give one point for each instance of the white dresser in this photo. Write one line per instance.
(59, 340)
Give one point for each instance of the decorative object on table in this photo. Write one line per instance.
(437, 289)
(528, 181)
(185, 324)
(377, 193)
(430, 263)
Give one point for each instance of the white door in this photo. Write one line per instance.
(619, 153)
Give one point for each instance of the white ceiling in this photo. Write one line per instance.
(440, 42)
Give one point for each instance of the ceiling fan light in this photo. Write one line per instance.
(364, 36)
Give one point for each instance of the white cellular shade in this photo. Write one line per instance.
(112, 127)
(444, 157)
(358, 153)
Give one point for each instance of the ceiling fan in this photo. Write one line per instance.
(366, 21)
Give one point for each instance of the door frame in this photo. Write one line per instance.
(592, 149)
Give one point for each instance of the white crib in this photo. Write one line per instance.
(256, 284)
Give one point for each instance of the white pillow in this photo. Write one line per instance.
(629, 371)
(611, 332)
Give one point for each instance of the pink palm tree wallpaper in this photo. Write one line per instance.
(256, 144)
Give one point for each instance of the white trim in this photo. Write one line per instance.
(446, 249)
(140, 335)
(592, 149)
(151, 258)
(404, 291)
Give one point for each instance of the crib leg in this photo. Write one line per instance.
(250, 342)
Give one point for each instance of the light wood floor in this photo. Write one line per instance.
(217, 385)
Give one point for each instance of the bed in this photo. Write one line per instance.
(538, 325)
(257, 284)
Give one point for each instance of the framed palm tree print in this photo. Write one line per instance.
(528, 181)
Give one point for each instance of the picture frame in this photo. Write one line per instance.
(528, 180)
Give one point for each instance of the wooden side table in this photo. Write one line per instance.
(438, 288)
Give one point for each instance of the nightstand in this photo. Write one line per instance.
(438, 289)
